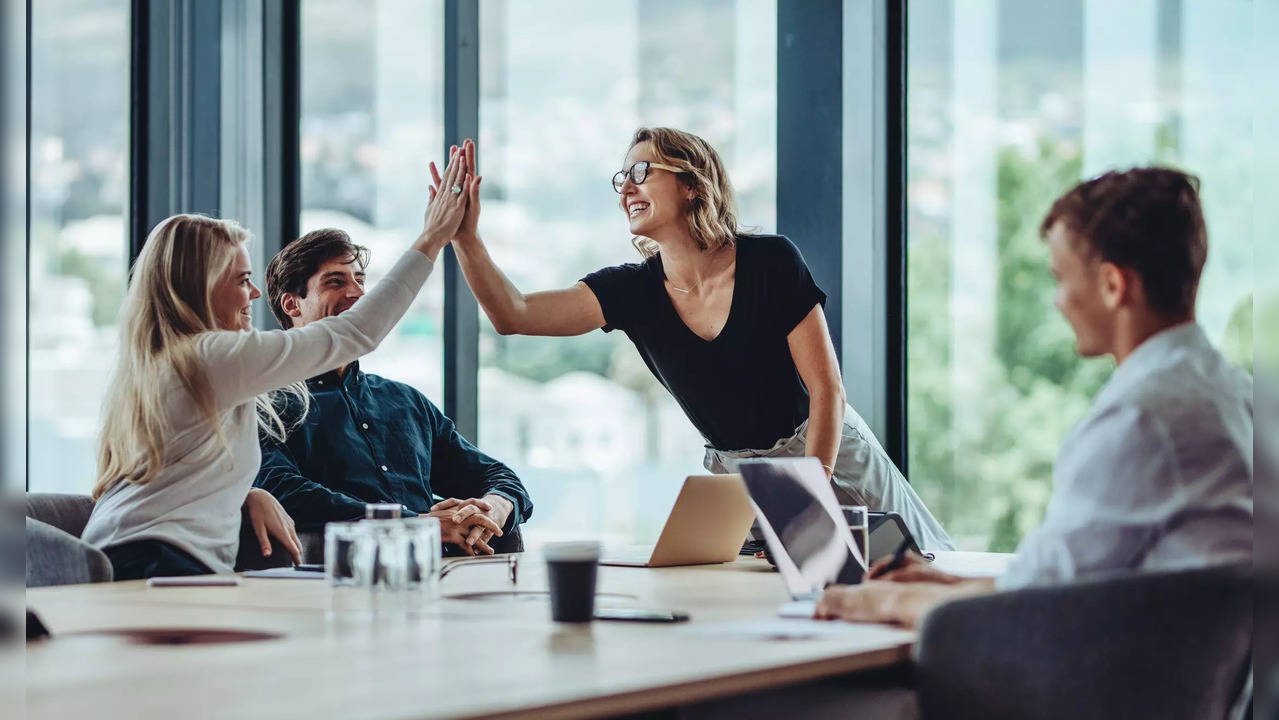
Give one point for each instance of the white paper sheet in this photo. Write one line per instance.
(797, 609)
(787, 629)
(285, 572)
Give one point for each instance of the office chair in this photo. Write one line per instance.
(1167, 645)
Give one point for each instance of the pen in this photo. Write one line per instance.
(899, 557)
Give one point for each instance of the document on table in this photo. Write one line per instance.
(797, 609)
(788, 629)
(285, 572)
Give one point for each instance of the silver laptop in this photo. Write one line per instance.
(707, 524)
(803, 527)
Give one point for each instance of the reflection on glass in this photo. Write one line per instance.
(79, 247)
(372, 117)
(1010, 103)
(601, 446)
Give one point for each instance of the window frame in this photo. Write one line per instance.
(176, 165)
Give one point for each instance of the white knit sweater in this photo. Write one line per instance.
(194, 502)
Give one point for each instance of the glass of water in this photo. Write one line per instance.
(340, 543)
(858, 522)
(423, 555)
(380, 555)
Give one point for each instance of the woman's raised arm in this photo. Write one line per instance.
(570, 311)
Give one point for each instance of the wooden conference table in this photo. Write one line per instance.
(348, 652)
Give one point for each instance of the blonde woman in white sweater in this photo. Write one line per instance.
(179, 445)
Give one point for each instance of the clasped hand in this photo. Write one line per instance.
(472, 522)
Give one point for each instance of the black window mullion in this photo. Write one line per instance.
(282, 111)
(895, 225)
(810, 143)
(461, 313)
(175, 112)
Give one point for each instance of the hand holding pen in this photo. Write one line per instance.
(906, 566)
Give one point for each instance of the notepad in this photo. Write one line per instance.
(797, 609)
(778, 629)
(287, 573)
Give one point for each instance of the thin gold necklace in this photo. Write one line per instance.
(677, 288)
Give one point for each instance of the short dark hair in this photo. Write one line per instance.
(292, 267)
(1148, 219)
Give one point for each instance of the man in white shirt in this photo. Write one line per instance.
(1158, 476)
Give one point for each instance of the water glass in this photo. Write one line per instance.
(340, 542)
(858, 521)
(380, 555)
(382, 511)
(424, 555)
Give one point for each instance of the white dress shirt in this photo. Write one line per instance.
(194, 501)
(1158, 476)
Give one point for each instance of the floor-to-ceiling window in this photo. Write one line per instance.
(78, 263)
(372, 117)
(564, 84)
(1010, 102)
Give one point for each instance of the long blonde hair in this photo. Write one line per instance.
(169, 304)
(712, 213)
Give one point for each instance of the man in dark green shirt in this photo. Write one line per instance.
(367, 439)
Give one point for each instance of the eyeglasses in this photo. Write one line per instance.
(512, 564)
(639, 173)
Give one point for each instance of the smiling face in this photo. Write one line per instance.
(1085, 293)
(332, 290)
(658, 205)
(234, 293)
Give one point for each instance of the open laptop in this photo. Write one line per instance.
(803, 527)
(708, 523)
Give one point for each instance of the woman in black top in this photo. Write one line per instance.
(730, 323)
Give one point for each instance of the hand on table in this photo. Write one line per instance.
(470, 523)
(871, 601)
(271, 521)
(899, 603)
(914, 568)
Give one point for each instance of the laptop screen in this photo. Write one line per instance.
(802, 523)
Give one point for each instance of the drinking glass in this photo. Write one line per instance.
(858, 520)
(340, 542)
(423, 555)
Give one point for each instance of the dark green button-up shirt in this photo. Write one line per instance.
(367, 439)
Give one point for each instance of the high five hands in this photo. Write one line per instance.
(466, 229)
(448, 208)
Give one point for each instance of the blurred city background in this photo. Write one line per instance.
(1009, 103)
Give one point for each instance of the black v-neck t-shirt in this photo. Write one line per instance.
(741, 389)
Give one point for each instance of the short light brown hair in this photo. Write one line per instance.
(1147, 219)
(712, 213)
(291, 269)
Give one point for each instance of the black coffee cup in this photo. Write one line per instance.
(571, 569)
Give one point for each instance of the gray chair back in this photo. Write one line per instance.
(1161, 645)
(68, 513)
(55, 553)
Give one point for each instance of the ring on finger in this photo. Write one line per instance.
(456, 189)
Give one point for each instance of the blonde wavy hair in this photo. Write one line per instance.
(712, 213)
(168, 305)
